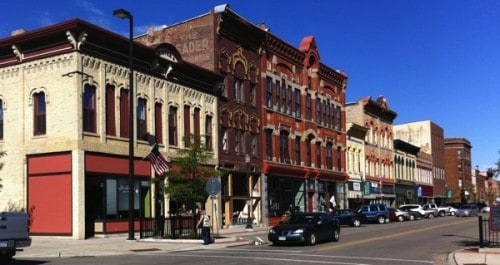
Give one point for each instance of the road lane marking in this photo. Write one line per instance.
(369, 240)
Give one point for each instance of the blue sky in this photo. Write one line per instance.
(433, 60)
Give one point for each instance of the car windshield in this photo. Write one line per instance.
(466, 207)
(300, 219)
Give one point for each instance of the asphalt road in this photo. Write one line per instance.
(427, 241)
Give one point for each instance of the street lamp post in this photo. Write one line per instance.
(249, 217)
(124, 14)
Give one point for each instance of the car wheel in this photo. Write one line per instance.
(356, 222)
(452, 213)
(336, 235)
(442, 214)
(312, 240)
(431, 215)
(387, 220)
(412, 218)
(401, 218)
(381, 219)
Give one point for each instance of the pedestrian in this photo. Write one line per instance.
(204, 223)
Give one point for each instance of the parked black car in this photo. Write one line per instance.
(349, 217)
(307, 228)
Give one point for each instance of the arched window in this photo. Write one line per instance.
(89, 111)
(39, 114)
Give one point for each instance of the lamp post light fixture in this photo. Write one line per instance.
(249, 217)
(124, 14)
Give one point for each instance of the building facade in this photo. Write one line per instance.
(430, 138)
(405, 171)
(458, 169)
(377, 117)
(304, 129)
(65, 97)
(355, 161)
(223, 42)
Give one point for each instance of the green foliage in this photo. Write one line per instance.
(495, 171)
(186, 183)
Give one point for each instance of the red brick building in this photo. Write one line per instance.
(458, 168)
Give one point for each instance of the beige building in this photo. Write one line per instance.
(355, 163)
(429, 137)
(64, 94)
(377, 117)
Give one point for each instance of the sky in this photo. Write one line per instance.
(435, 60)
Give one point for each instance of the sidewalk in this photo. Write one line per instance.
(475, 256)
(119, 245)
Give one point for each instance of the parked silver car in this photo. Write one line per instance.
(468, 210)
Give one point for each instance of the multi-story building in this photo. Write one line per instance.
(281, 118)
(430, 138)
(65, 96)
(224, 42)
(480, 182)
(304, 129)
(424, 181)
(379, 151)
(458, 169)
(355, 162)
(405, 171)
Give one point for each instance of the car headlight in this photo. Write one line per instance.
(299, 231)
(271, 231)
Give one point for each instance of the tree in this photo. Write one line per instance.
(494, 172)
(186, 180)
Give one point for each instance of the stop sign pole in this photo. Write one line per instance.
(213, 188)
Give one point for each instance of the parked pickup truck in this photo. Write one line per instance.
(14, 234)
(442, 210)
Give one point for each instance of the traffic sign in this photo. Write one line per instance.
(213, 186)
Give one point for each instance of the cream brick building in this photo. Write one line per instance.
(65, 171)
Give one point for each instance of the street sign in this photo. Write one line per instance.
(213, 186)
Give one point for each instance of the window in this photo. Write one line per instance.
(318, 111)
(237, 141)
(39, 113)
(158, 123)
(297, 103)
(142, 128)
(338, 118)
(110, 110)
(283, 97)
(269, 92)
(252, 94)
(224, 141)
(89, 115)
(197, 121)
(308, 151)
(208, 133)
(124, 113)
(1, 119)
(459, 166)
(308, 107)
(278, 95)
(284, 150)
(172, 126)
(318, 154)
(329, 155)
(253, 142)
(238, 89)
(269, 144)
(187, 125)
(339, 158)
(297, 150)
(289, 101)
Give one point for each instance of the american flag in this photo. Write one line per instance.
(158, 162)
